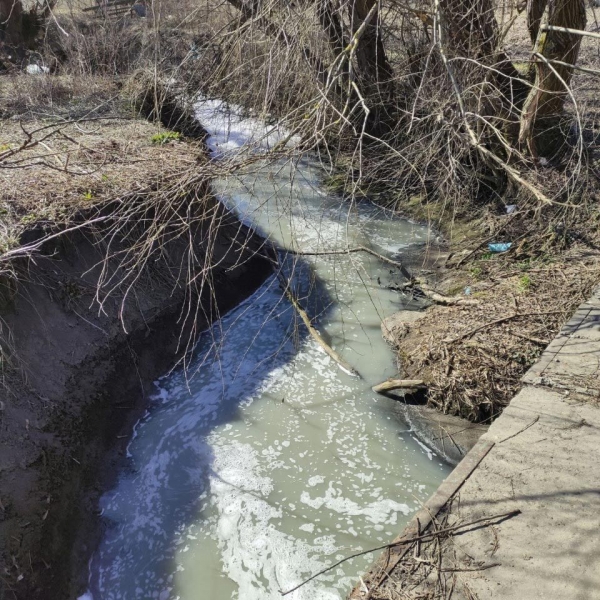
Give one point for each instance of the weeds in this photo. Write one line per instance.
(524, 283)
(525, 265)
(476, 272)
(164, 137)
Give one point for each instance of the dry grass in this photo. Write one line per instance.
(473, 357)
(65, 151)
(68, 96)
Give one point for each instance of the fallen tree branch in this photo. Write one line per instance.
(530, 338)
(435, 296)
(312, 330)
(425, 536)
(398, 384)
(390, 261)
(569, 30)
(448, 300)
(467, 570)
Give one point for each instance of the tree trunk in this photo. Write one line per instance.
(330, 22)
(542, 126)
(470, 30)
(250, 11)
(374, 73)
(535, 12)
(11, 13)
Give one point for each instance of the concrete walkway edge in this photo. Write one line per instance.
(542, 457)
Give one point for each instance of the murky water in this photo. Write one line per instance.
(267, 462)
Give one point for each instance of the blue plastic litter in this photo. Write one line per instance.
(468, 291)
(499, 247)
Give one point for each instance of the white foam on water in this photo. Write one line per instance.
(265, 462)
(230, 132)
(381, 511)
(258, 557)
(315, 480)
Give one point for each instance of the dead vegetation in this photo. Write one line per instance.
(434, 568)
(435, 135)
(425, 108)
(424, 128)
(452, 152)
(472, 358)
(57, 166)
(425, 561)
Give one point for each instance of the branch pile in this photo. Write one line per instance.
(472, 358)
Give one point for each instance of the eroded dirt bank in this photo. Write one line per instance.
(76, 376)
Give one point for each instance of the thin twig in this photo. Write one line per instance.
(498, 321)
(425, 536)
(533, 422)
(381, 257)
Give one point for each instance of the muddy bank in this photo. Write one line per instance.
(76, 376)
(449, 436)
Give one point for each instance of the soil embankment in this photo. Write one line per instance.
(115, 257)
(76, 379)
(491, 312)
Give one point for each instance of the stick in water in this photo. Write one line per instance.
(431, 534)
(315, 334)
(381, 257)
(398, 384)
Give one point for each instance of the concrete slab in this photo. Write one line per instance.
(575, 352)
(451, 437)
(551, 472)
(545, 462)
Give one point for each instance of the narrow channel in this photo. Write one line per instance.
(264, 462)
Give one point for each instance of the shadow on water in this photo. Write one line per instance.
(169, 479)
(263, 457)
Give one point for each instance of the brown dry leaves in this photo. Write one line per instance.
(473, 358)
(66, 166)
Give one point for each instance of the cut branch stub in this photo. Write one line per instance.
(398, 384)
